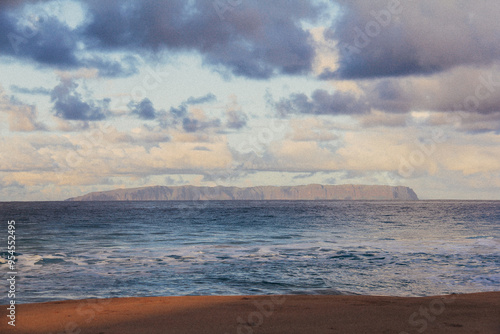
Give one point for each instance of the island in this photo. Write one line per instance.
(304, 192)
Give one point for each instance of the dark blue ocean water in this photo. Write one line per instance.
(73, 250)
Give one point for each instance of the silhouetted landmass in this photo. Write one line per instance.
(306, 192)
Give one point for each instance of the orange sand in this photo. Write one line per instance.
(455, 314)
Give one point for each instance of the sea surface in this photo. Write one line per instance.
(74, 250)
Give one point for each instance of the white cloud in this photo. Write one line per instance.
(21, 117)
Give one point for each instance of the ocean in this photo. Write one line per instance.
(75, 250)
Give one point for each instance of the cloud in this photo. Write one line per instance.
(460, 89)
(473, 123)
(144, 109)
(146, 135)
(30, 91)
(181, 110)
(379, 39)
(257, 39)
(236, 117)
(330, 180)
(479, 123)
(50, 42)
(21, 117)
(170, 181)
(124, 67)
(103, 154)
(322, 103)
(24, 155)
(388, 101)
(69, 105)
(38, 35)
(193, 120)
(200, 100)
(378, 118)
(232, 172)
(190, 124)
(261, 39)
(471, 158)
(304, 176)
(312, 129)
(14, 3)
(302, 156)
(201, 148)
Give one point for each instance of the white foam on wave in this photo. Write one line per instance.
(28, 260)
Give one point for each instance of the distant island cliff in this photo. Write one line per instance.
(306, 192)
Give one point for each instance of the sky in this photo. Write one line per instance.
(103, 94)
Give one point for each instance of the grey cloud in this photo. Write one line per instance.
(391, 95)
(194, 125)
(258, 39)
(480, 123)
(191, 124)
(464, 89)
(470, 96)
(236, 119)
(200, 100)
(322, 103)
(202, 148)
(49, 43)
(473, 123)
(261, 39)
(30, 91)
(69, 105)
(383, 119)
(152, 138)
(10, 3)
(144, 109)
(231, 173)
(472, 90)
(16, 3)
(181, 110)
(304, 176)
(330, 180)
(386, 102)
(147, 137)
(125, 67)
(170, 181)
(416, 38)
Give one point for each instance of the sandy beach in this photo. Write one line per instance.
(467, 313)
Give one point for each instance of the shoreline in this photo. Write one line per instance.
(457, 313)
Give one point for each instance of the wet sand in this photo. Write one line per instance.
(304, 314)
